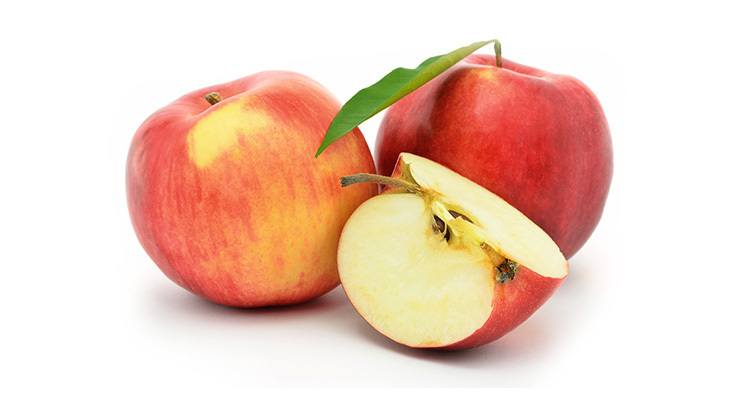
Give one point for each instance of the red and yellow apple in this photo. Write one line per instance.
(538, 140)
(438, 261)
(226, 196)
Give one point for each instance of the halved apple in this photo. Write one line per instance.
(438, 261)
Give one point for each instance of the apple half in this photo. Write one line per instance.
(438, 261)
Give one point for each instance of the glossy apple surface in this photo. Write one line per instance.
(538, 140)
(230, 202)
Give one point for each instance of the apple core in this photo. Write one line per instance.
(455, 228)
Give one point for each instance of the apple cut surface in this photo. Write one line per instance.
(407, 282)
(445, 262)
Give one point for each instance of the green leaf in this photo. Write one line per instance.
(395, 85)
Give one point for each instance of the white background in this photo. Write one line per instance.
(657, 297)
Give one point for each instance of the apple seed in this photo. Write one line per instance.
(438, 224)
(459, 215)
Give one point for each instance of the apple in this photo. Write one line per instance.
(438, 261)
(226, 197)
(538, 140)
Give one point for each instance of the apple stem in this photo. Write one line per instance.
(380, 179)
(213, 98)
(498, 54)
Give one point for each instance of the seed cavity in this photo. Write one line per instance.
(439, 227)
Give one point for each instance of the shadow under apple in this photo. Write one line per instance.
(168, 303)
(168, 307)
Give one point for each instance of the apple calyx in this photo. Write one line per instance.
(448, 219)
(213, 97)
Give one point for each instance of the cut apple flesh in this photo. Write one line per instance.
(421, 264)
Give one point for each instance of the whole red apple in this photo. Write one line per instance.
(226, 196)
(538, 140)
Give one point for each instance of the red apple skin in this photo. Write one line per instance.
(230, 202)
(514, 302)
(538, 140)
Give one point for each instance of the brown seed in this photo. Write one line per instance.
(438, 224)
(460, 215)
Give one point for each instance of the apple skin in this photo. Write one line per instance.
(229, 200)
(538, 140)
(514, 302)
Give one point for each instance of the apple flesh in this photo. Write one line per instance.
(438, 261)
(226, 197)
(538, 140)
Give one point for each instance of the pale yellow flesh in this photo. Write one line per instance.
(407, 282)
(412, 285)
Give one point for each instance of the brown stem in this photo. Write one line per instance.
(213, 98)
(383, 180)
(498, 54)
